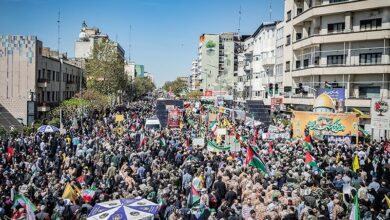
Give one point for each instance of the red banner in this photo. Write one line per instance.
(174, 118)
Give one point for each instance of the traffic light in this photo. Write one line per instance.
(276, 88)
(270, 88)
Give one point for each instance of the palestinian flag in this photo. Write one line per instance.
(309, 160)
(307, 146)
(26, 204)
(161, 141)
(355, 211)
(240, 139)
(193, 197)
(88, 194)
(253, 159)
(270, 149)
(213, 127)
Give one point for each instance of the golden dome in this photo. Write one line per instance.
(323, 101)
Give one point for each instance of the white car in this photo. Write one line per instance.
(152, 123)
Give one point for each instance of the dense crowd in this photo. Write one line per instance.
(124, 160)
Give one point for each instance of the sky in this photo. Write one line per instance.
(164, 33)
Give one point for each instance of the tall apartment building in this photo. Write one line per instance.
(257, 79)
(339, 43)
(194, 77)
(34, 76)
(217, 61)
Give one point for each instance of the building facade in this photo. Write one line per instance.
(34, 76)
(194, 77)
(88, 37)
(217, 63)
(257, 78)
(338, 44)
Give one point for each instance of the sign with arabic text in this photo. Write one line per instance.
(334, 93)
(321, 124)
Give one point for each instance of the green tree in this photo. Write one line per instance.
(195, 94)
(177, 86)
(141, 86)
(105, 69)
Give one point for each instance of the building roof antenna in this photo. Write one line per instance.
(270, 10)
(129, 43)
(58, 32)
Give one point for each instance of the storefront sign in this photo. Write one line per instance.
(334, 93)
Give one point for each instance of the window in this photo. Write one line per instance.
(369, 92)
(288, 40)
(372, 24)
(43, 73)
(370, 58)
(53, 96)
(336, 1)
(287, 66)
(288, 16)
(299, 36)
(54, 76)
(48, 96)
(299, 11)
(336, 27)
(335, 60)
(305, 63)
(39, 74)
(297, 64)
(257, 93)
(48, 75)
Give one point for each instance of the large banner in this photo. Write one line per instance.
(174, 118)
(380, 114)
(321, 124)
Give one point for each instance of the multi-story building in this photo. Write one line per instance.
(256, 76)
(343, 44)
(194, 77)
(35, 79)
(217, 61)
(88, 37)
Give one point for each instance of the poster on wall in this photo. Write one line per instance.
(380, 114)
(321, 124)
(334, 93)
(174, 118)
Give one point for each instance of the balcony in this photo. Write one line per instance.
(338, 7)
(341, 69)
(269, 61)
(379, 34)
(42, 83)
(358, 102)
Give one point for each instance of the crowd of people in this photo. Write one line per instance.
(125, 160)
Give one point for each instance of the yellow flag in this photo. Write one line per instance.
(355, 164)
(387, 201)
(70, 192)
(219, 139)
(338, 157)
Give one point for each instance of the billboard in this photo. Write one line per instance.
(334, 93)
(322, 124)
(380, 114)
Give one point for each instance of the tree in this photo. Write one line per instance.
(142, 85)
(177, 86)
(105, 69)
(195, 94)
